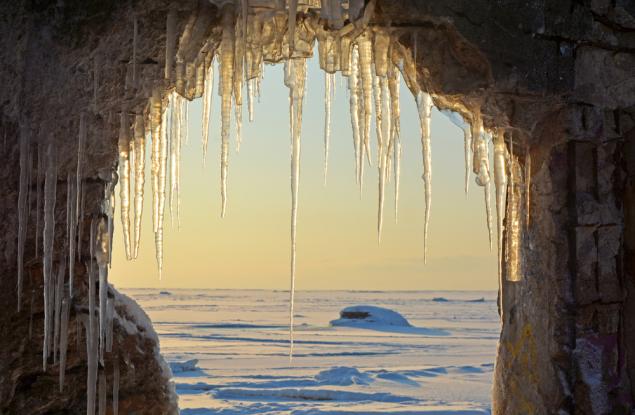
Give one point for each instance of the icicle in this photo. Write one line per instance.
(225, 90)
(175, 136)
(239, 57)
(295, 76)
(207, 106)
(110, 315)
(365, 69)
(102, 254)
(424, 104)
(63, 341)
(102, 393)
(182, 139)
(395, 115)
(140, 155)
(481, 167)
(135, 31)
(293, 9)
(155, 121)
(38, 204)
(115, 389)
(23, 212)
(79, 199)
(170, 43)
(50, 188)
(163, 159)
(500, 182)
(527, 187)
(513, 223)
(379, 84)
(354, 105)
(59, 292)
(329, 80)
(124, 177)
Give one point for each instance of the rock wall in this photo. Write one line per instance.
(558, 75)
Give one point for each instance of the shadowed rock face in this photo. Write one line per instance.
(558, 74)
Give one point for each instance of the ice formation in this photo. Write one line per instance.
(252, 34)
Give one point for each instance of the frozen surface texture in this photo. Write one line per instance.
(229, 355)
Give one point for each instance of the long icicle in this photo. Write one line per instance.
(424, 104)
(395, 115)
(79, 199)
(382, 148)
(480, 166)
(354, 92)
(500, 182)
(295, 76)
(527, 187)
(124, 177)
(225, 90)
(207, 106)
(329, 80)
(365, 68)
(50, 189)
(237, 79)
(139, 180)
(163, 168)
(25, 172)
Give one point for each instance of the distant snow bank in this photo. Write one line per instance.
(366, 314)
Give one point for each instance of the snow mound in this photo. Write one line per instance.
(343, 376)
(187, 366)
(363, 315)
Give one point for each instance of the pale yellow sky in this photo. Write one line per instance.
(337, 239)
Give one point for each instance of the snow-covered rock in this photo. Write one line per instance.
(365, 314)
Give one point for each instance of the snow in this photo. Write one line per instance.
(232, 358)
(364, 314)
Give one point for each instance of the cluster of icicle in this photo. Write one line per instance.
(59, 265)
(252, 34)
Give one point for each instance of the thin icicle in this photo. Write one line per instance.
(207, 106)
(395, 124)
(237, 79)
(354, 105)
(527, 187)
(481, 167)
(102, 254)
(225, 90)
(295, 76)
(25, 173)
(155, 120)
(115, 388)
(424, 104)
(163, 166)
(500, 182)
(50, 189)
(124, 177)
(379, 84)
(110, 315)
(365, 68)
(139, 181)
(59, 293)
(63, 341)
(329, 81)
(79, 211)
(38, 199)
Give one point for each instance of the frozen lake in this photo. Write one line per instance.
(443, 364)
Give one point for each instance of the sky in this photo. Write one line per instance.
(337, 245)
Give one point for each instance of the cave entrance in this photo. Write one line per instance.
(235, 333)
